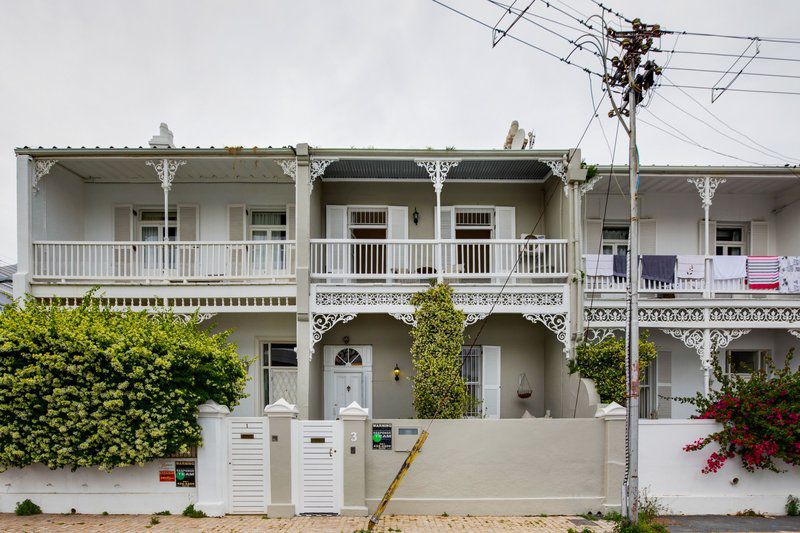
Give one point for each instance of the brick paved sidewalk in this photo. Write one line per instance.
(125, 523)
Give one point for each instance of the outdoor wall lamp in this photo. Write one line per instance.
(415, 217)
(396, 372)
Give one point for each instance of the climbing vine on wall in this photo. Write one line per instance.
(760, 417)
(87, 386)
(439, 390)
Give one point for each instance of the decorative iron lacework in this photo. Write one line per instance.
(193, 302)
(559, 169)
(700, 183)
(405, 318)
(460, 299)
(600, 334)
(557, 323)
(619, 314)
(318, 167)
(795, 332)
(474, 317)
(289, 167)
(718, 338)
(201, 317)
(322, 323)
(41, 168)
(755, 314)
(165, 170)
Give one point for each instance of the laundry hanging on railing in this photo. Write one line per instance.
(599, 265)
(621, 266)
(763, 272)
(691, 267)
(790, 275)
(659, 268)
(730, 267)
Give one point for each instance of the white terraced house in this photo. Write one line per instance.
(311, 256)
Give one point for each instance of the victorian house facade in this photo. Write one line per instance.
(311, 255)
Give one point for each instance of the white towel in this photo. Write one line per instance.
(599, 265)
(691, 267)
(790, 275)
(730, 267)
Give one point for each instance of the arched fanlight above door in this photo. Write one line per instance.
(348, 357)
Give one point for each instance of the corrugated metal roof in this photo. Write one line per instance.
(473, 169)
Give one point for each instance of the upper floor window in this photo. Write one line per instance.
(731, 239)
(615, 239)
(268, 225)
(151, 225)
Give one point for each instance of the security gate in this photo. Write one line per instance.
(320, 467)
(248, 462)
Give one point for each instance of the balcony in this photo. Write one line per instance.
(474, 261)
(706, 286)
(159, 262)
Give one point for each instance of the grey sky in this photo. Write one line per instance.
(357, 73)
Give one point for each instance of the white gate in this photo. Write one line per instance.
(320, 467)
(248, 465)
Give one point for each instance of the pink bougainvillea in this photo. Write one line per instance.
(760, 418)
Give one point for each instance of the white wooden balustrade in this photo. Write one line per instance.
(491, 261)
(171, 261)
(616, 284)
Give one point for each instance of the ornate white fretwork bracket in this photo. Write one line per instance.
(318, 167)
(201, 317)
(600, 334)
(589, 185)
(557, 323)
(289, 167)
(41, 168)
(795, 332)
(707, 187)
(437, 170)
(474, 317)
(406, 318)
(165, 170)
(322, 323)
(559, 170)
(694, 338)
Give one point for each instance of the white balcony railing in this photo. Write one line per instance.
(171, 261)
(490, 261)
(617, 284)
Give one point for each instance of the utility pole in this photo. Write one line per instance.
(634, 84)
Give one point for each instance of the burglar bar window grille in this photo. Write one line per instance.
(361, 217)
(474, 217)
(471, 363)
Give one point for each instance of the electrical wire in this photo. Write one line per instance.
(784, 40)
(724, 54)
(522, 41)
(715, 71)
(759, 91)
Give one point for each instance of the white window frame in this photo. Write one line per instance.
(477, 386)
(270, 228)
(141, 224)
(761, 355)
(367, 208)
(742, 245)
(648, 392)
(490, 210)
(267, 365)
(614, 243)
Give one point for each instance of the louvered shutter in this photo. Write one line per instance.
(448, 232)
(664, 383)
(188, 230)
(593, 237)
(505, 256)
(490, 381)
(337, 257)
(123, 231)
(759, 238)
(647, 236)
(701, 237)
(237, 226)
(397, 228)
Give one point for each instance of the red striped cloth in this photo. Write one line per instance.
(762, 272)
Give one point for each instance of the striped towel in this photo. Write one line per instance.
(762, 272)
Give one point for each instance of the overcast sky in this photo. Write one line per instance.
(364, 73)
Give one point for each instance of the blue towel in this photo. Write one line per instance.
(659, 267)
(621, 266)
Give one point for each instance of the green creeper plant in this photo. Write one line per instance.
(439, 391)
(91, 387)
(604, 363)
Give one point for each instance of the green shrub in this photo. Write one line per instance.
(604, 363)
(439, 390)
(792, 506)
(27, 508)
(191, 512)
(162, 513)
(89, 387)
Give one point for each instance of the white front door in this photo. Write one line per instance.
(348, 378)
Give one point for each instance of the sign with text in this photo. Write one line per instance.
(184, 474)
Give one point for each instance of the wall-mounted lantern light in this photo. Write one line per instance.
(396, 372)
(415, 217)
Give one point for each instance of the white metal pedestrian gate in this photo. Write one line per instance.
(248, 465)
(320, 467)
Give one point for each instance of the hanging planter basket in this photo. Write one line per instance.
(524, 389)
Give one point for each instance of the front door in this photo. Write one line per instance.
(348, 378)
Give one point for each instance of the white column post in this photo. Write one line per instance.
(705, 361)
(212, 459)
(165, 171)
(24, 227)
(707, 186)
(437, 170)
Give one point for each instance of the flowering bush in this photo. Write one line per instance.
(91, 387)
(439, 390)
(604, 363)
(760, 417)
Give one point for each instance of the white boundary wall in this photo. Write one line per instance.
(128, 490)
(674, 476)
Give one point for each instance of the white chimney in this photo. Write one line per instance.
(163, 139)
